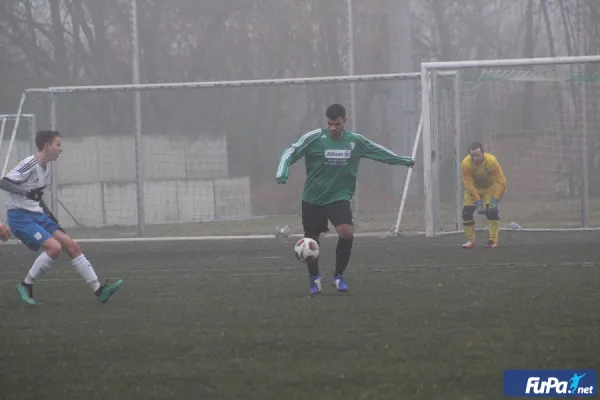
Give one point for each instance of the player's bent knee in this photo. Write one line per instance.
(69, 246)
(345, 231)
(492, 214)
(52, 247)
(72, 248)
(467, 213)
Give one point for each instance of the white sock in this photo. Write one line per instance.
(40, 265)
(85, 269)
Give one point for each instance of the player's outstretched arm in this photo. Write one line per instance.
(293, 153)
(377, 152)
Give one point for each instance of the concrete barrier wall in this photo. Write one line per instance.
(112, 159)
(166, 202)
(185, 180)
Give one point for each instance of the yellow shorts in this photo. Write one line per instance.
(485, 194)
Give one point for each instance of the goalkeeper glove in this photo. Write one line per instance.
(494, 203)
(480, 207)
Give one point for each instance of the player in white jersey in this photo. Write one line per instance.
(32, 222)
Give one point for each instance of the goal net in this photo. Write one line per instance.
(200, 159)
(540, 120)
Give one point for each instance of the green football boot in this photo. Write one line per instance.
(26, 293)
(106, 291)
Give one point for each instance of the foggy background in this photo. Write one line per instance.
(88, 42)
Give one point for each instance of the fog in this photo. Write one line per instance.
(88, 42)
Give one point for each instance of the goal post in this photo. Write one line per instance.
(538, 116)
(9, 152)
(205, 162)
(5, 140)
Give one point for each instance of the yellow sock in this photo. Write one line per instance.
(494, 229)
(469, 228)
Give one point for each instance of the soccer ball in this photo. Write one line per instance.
(307, 249)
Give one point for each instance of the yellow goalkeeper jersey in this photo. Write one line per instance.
(483, 177)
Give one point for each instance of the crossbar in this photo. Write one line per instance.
(14, 116)
(228, 84)
(511, 62)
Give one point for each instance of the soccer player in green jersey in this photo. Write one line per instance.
(332, 157)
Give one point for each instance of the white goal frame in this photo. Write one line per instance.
(430, 72)
(52, 91)
(16, 117)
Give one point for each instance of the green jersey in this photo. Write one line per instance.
(332, 163)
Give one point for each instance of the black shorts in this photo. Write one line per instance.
(315, 217)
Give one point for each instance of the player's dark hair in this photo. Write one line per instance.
(475, 146)
(45, 137)
(335, 111)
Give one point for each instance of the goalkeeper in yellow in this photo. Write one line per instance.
(484, 184)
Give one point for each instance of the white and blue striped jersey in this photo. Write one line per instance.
(29, 175)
